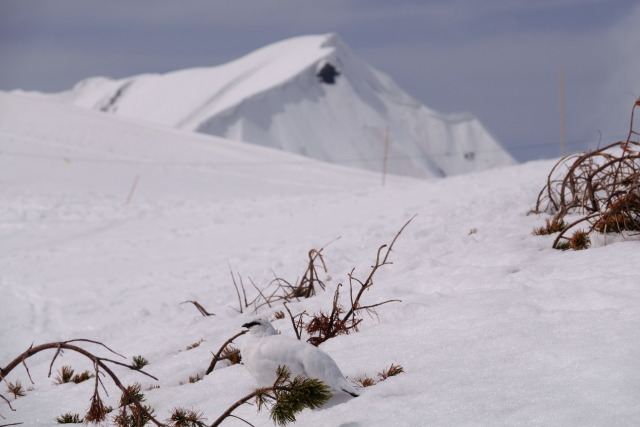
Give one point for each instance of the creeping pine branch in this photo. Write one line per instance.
(97, 412)
(287, 397)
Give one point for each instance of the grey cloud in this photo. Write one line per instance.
(622, 86)
(497, 58)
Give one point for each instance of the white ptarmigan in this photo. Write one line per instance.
(264, 350)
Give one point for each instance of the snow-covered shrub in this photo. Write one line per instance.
(602, 187)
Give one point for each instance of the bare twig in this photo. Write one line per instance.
(235, 406)
(266, 300)
(8, 402)
(216, 357)
(324, 326)
(241, 419)
(573, 224)
(284, 291)
(200, 308)
(601, 185)
(367, 307)
(369, 281)
(296, 328)
(27, 369)
(235, 285)
(53, 359)
(99, 365)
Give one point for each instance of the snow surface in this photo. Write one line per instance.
(273, 97)
(494, 327)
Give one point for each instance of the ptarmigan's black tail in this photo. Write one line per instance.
(351, 393)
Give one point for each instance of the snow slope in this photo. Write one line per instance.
(273, 97)
(494, 327)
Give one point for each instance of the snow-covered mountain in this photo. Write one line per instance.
(308, 95)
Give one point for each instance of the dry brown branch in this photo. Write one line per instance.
(97, 411)
(235, 285)
(244, 292)
(200, 308)
(267, 300)
(307, 286)
(369, 307)
(217, 357)
(298, 325)
(53, 359)
(570, 226)
(355, 303)
(323, 326)
(235, 406)
(241, 419)
(26, 368)
(8, 402)
(280, 290)
(601, 185)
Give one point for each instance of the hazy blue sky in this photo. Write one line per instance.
(498, 59)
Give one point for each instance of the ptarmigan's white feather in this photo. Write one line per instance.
(264, 350)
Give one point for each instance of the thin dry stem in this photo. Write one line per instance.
(200, 308)
(99, 367)
(217, 357)
(601, 185)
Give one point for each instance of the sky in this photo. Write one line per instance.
(498, 59)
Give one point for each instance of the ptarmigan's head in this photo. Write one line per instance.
(260, 328)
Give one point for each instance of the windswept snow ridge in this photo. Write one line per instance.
(280, 97)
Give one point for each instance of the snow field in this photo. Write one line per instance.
(494, 327)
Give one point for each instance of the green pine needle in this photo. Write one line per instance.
(16, 389)
(65, 375)
(69, 418)
(186, 418)
(139, 362)
(296, 395)
(78, 378)
(563, 246)
(135, 390)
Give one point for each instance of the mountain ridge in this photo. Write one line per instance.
(275, 97)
